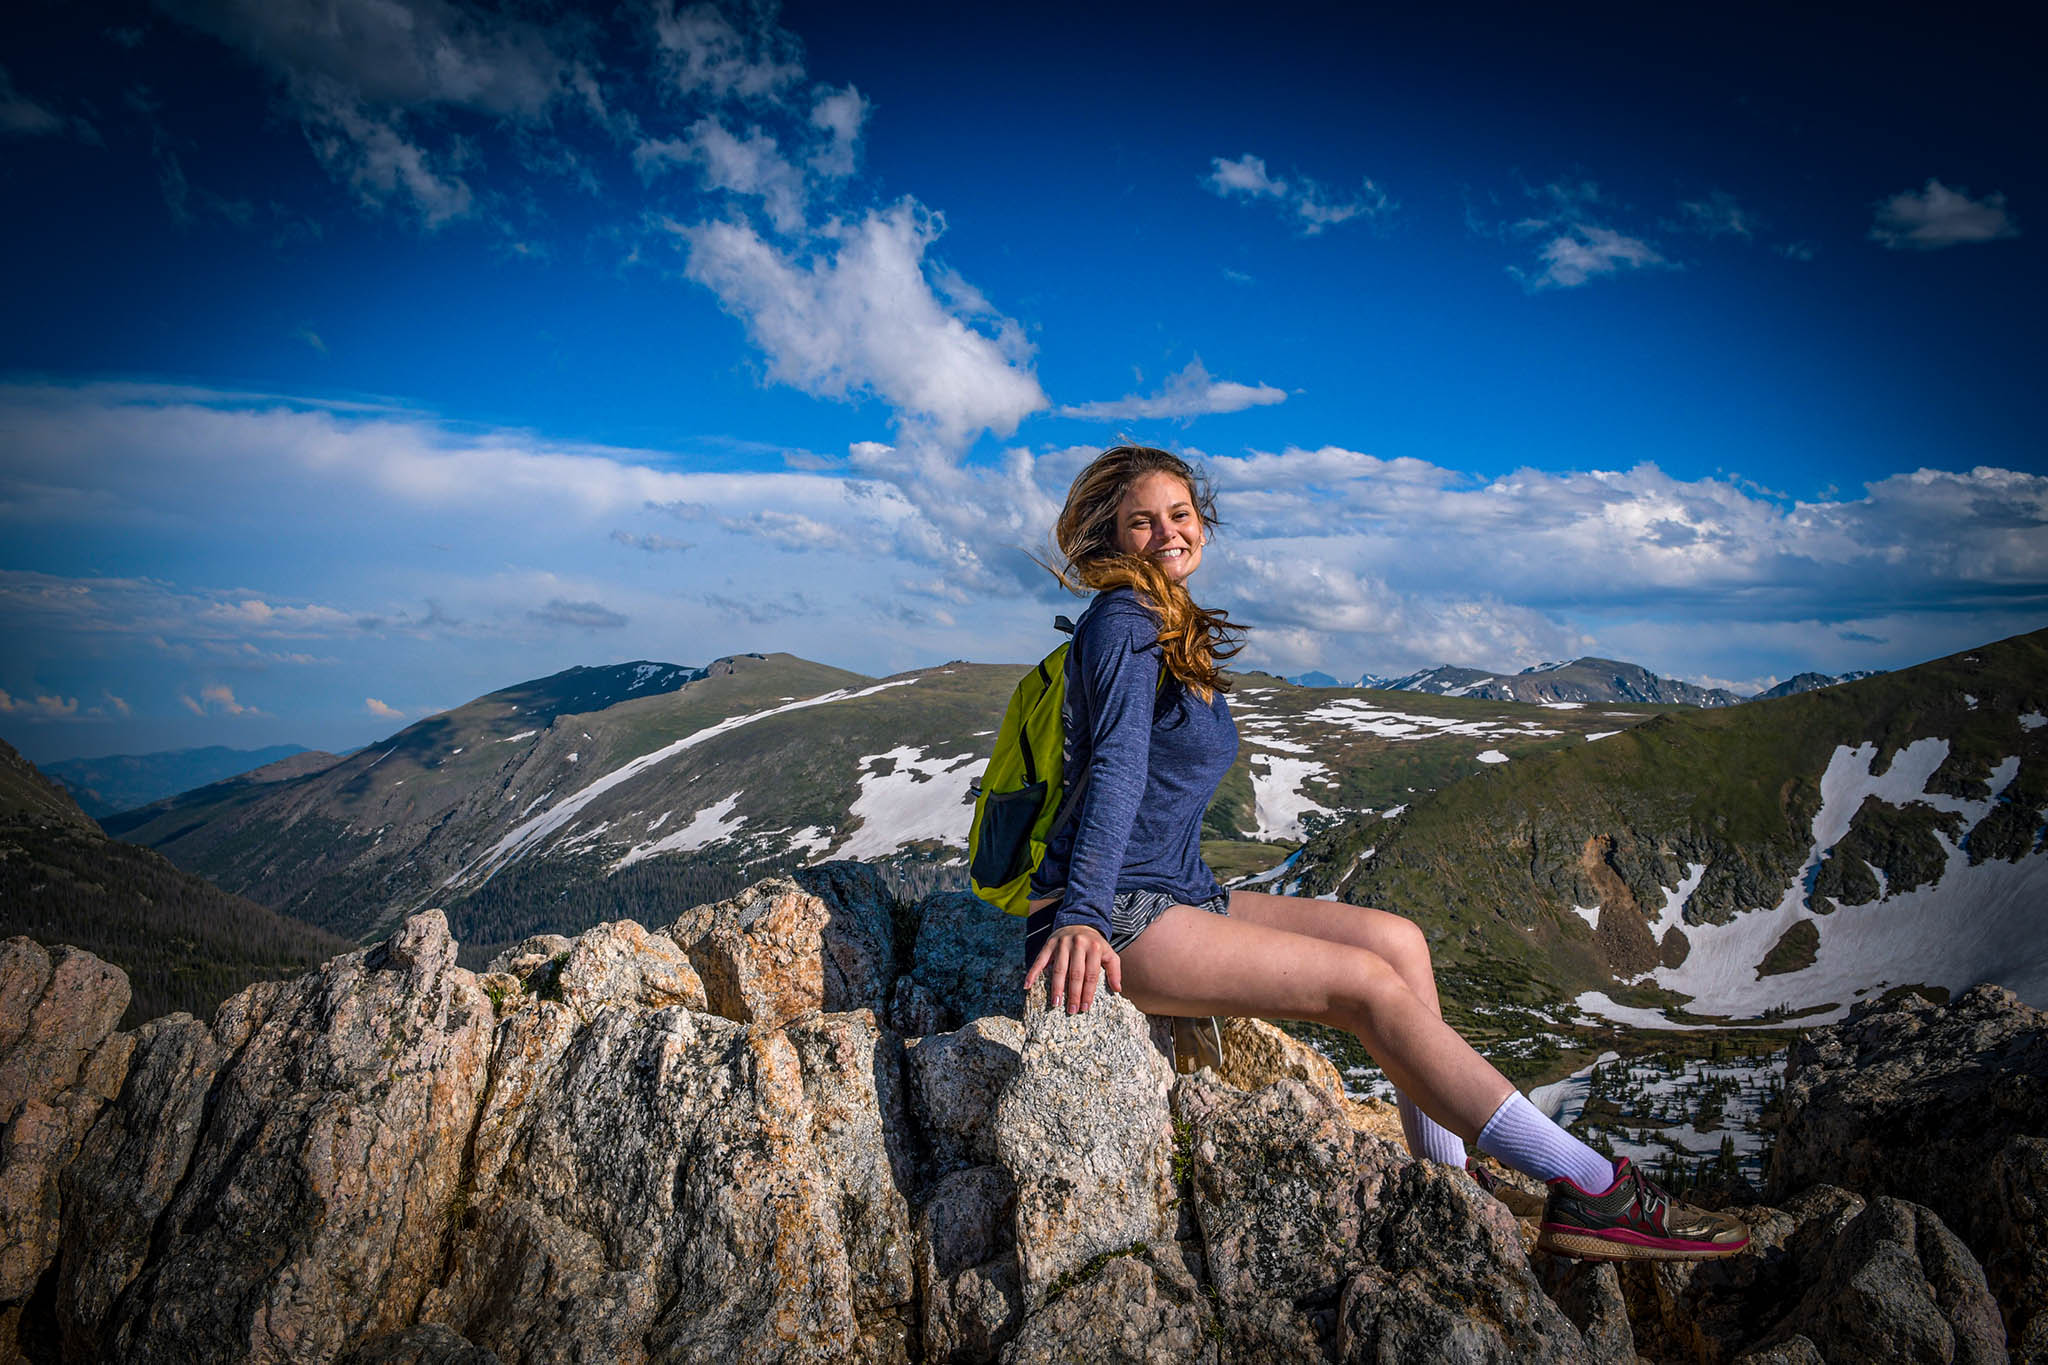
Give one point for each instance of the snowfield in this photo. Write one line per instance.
(919, 798)
(1278, 803)
(1972, 924)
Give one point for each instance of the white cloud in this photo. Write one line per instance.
(218, 699)
(1937, 216)
(1315, 206)
(1246, 175)
(750, 165)
(859, 315)
(43, 707)
(839, 115)
(1585, 251)
(1190, 393)
(380, 710)
(705, 53)
(1579, 245)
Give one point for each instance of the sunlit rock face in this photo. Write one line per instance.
(761, 1134)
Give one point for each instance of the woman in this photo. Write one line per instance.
(1123, 894)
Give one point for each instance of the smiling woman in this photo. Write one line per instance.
(1122, 895)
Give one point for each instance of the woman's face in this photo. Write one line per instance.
(1157, 518)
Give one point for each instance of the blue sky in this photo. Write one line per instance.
(362, 359)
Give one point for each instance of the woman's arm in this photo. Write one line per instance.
(1118, 669)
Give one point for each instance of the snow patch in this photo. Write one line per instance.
(1601, 734)
(1973, 924)
(523, 734)
(1278, 803)
(707, 826)
(1391, 811)
(1562, 705)
(2032, 720)
(918, 798)
(1590, 914)
(1563, 1101)
(1492, 756)
(525, 838)
(571, 758)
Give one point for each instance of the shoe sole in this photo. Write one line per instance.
(1590, 1246)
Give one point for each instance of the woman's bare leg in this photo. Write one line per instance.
(1400, 941)
(1190, 962)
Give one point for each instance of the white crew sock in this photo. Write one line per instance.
(1427, 1137)
(1519, 1136)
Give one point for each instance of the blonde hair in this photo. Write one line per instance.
(1192, 639)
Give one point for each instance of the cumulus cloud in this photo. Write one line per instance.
(42, 707)
(1193, 392)
(381, 711)
(750, 164)
(1313, 205)
(578, 615)
(218, 699)
(838, 114)
(1937, 216)
(858, 314)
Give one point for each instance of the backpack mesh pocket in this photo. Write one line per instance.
(1005, 848)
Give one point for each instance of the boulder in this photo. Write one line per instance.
(1317, 1236)
(760, 954)
(1943, 1105)
(968, 964)
(61, 1060)
(859, 935)
(1084, 1132)
(1829, 1273)
(1256, 1054)
(662, 1183)
(622, 964)
(1138, 1308)
(956, 1080)
(968, 1285)
(280, 1185)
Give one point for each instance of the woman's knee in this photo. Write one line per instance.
(1407, 948)
(1369, 985)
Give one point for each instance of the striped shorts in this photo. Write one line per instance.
(1130, 914)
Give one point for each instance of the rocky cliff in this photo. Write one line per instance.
(813, 1124)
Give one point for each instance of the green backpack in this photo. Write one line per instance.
(1022, 799)
(1017, 803)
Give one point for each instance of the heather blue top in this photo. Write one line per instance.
(1153, 754)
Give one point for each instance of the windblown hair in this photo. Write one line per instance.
(1192, 640)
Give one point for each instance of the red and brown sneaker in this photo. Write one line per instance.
(1633, 1220)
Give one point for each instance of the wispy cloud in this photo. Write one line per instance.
(1718, 215)
(1937, 216)
(21, 116)
(650, 542)
(381, 711)
(1193, 392)
(578, 616)
(1578, 245)
(1313, 206)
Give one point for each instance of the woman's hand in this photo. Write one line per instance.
(1075, 954)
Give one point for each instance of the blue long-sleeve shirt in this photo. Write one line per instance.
(1153, 755)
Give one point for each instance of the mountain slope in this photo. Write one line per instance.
(118, 782)
(185, 945)
(513, 827)
(1579, 680)
(1794, 853)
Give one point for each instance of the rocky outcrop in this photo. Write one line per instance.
(674, 1145)
(60, 1062)
(1945, 1106)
